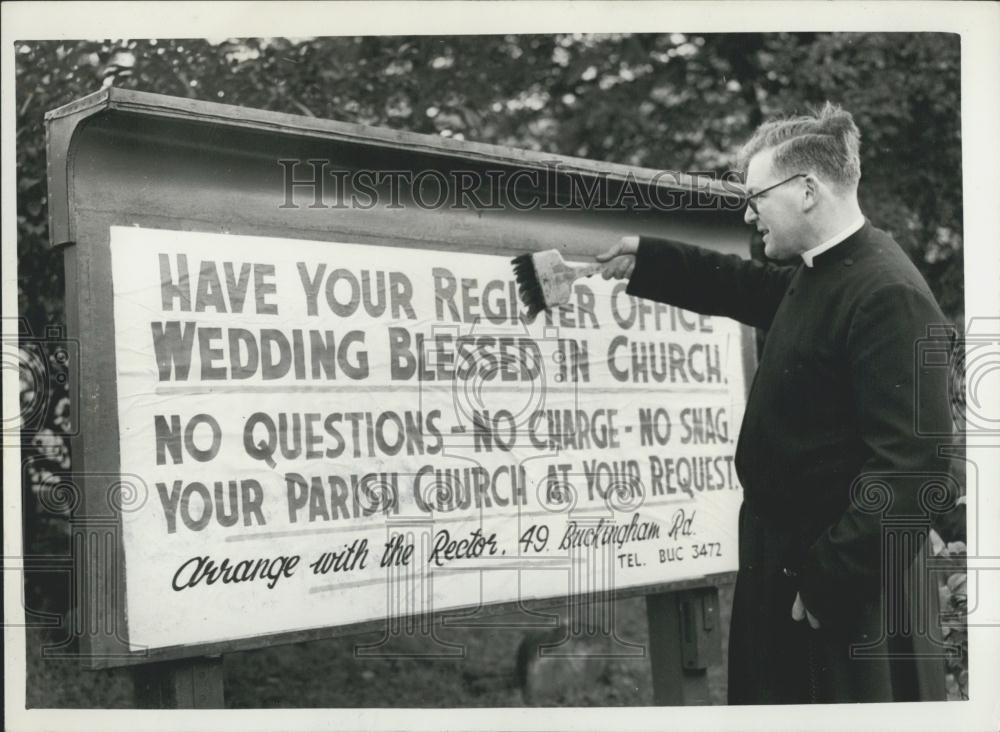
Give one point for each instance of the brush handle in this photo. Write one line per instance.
(586, 270)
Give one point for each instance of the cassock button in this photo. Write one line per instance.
(848, 262)
(789, 572)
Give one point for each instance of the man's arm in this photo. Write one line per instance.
(699, 279)
(845, 566)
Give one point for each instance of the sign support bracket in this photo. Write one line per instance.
(684, 641)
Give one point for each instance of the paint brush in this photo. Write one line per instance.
(545, 280)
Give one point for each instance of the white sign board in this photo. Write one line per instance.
(329, 433)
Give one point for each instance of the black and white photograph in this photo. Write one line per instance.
(501, 365)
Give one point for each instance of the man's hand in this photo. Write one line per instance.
(620, 259)
(799, 612)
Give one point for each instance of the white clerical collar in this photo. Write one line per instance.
(809, 255)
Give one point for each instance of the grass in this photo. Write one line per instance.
(334, 673)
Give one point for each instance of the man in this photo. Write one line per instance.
(828, 606)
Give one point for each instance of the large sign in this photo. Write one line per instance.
(330, 433)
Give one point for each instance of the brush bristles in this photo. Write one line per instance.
(528, 286)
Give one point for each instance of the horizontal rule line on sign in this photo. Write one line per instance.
(417, 388)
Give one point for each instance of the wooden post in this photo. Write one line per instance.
(684, 640)
(191, 683)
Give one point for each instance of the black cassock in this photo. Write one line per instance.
(838, 459)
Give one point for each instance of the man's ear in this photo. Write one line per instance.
(811, 192)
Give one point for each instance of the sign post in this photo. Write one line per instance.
(308, 376)
(683, 642)
(188, 683)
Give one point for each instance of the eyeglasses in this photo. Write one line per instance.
(753, 204)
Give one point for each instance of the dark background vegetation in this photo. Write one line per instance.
(670, 101)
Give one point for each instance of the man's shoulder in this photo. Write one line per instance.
(883, 279)
(882, 262)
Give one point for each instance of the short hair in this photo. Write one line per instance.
(827, 141)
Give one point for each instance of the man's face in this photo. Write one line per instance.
(780, 216)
